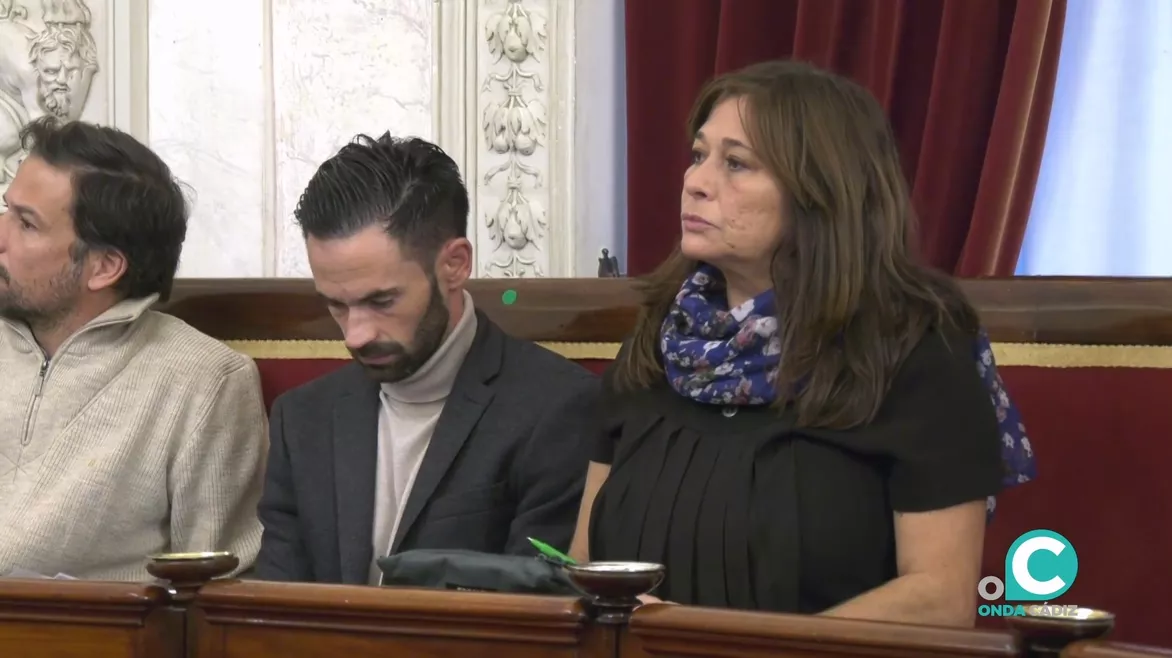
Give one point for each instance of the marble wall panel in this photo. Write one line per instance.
(207, 121)
(247, 99)
(339, 69)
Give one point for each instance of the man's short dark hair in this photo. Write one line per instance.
(409, 187)
(124, 198)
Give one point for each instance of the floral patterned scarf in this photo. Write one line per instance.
(731, 357)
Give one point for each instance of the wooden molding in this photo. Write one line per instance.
(77, 617)
(690, 631)
(1028, 310)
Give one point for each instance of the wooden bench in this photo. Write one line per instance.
(1088, 361)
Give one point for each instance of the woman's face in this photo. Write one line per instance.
(731, 208)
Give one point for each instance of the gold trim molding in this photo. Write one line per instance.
(1049, 355)
(330, 349)
(1038, 355)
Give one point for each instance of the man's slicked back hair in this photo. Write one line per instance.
(408, 186)
(124, 198)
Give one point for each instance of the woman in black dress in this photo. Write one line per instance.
(805, 418)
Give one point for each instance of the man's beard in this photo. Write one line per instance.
(428, 338)
(61, 296)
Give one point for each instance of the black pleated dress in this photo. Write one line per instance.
(748, 511)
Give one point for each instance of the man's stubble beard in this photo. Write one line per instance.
(62, 293)
(429, 337)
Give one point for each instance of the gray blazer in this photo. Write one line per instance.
(507, 461)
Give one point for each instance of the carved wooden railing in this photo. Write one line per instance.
(68, 619)
(191, 614)
(290, 620)
(1032, 321)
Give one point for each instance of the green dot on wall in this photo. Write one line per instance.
(509, 297)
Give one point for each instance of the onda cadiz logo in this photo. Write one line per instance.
(1040, 566)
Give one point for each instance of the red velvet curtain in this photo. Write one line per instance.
(967, 85)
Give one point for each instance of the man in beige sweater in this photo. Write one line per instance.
(123, 432)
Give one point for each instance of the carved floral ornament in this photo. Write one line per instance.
(515, 127)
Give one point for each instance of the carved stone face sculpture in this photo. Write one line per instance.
(48, 61)
(65, 60)
(58, 73)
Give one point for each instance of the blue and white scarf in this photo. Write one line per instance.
(714, 355)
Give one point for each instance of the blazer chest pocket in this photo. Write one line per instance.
(470, 501)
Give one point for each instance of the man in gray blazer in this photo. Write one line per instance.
(444, 432)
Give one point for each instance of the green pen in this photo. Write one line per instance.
(551, 552)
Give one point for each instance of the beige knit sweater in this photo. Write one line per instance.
(141, 435)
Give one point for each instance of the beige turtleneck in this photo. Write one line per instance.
(407, 418)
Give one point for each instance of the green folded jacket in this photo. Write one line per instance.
(474, 571)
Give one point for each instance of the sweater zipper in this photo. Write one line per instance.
(31, 416)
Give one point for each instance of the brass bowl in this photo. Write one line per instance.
(188, 557)
(616, 580)
(191, 568)
(1053, 632)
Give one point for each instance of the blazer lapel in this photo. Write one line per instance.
(355, 461)
(469, 398)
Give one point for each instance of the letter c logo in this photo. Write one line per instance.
(1039, 566)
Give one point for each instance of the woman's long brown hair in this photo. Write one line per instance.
(852, 298)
